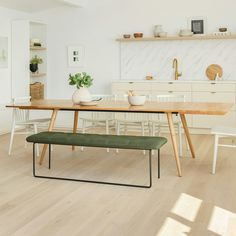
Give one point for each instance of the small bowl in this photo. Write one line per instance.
(223, 29)
(137, 100)
(126, 36)
(138, 35)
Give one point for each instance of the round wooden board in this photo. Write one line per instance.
(213, 70)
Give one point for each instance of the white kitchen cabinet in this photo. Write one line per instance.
(199, 91)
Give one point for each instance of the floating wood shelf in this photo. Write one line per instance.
(37, 75)
(204, 37)
(38, 48)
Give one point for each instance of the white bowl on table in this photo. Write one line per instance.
(137, 100)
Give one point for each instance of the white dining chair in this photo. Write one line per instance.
(130, 122)
(98, 119)
(221, 132)
(22, 124)
(158, 121)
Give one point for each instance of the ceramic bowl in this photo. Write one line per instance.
(138, 35)
(126, 36)
(223, 29)
(137, 100)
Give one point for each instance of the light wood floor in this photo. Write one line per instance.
(198, 204)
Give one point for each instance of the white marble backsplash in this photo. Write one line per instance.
(155, 58)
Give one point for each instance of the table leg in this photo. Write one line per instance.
(185, 126)
(174, 142)
(76, 117)
(50, 128)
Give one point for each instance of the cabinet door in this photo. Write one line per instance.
(204, 121)
(20, 58)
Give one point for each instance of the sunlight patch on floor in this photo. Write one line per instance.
(172, 227)
(222, 222)
(187, 207)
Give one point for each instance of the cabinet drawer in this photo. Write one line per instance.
(171, 86)
(126, 86)
(214, 97)
(204, 121)
(213, 87)
(188, 96)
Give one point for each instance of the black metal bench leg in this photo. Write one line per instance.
(91, 181)
(158, 161)
(34, 159)
(49, 157)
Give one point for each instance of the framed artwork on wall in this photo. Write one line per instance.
(197, 25)
(3, 52)
(76, 56)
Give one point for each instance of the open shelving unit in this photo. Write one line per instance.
(39, 31)
(203, 37)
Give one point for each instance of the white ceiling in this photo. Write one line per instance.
(38, 5)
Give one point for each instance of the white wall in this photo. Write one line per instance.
(99, 23)
(6, 16)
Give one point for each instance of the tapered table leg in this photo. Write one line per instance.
(185, 126)
(174, 142)
(50, 128)
(76, 117)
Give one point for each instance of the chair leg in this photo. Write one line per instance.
(143, 133)
(215, 153)
(117, 132)
(107, 130)
(180, 140)
(83, 131)
(11, 139)
(37, 146)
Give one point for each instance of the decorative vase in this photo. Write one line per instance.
(34, 68)
(81, 94)
(157, 30)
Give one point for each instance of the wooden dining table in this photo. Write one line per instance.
(169, 108)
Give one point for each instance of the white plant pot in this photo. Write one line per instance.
(81, 94)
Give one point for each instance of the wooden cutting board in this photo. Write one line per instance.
(213, 70)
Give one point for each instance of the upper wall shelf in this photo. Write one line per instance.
(204, 37)
(37, 48)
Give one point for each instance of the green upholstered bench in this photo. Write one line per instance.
(99, 140)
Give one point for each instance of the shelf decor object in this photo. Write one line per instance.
(3, 52)
(197, 25)
(76, 56)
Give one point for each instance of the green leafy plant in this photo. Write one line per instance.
(80, 80)
(36, 60)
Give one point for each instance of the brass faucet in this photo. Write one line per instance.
(175, 66)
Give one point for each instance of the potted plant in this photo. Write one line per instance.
(82, 81)
(34, 63)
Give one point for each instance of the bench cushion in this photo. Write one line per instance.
(98, 140)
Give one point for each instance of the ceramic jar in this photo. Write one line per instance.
(81, 94)
(157, 30)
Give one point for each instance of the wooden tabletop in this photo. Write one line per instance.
(122, 106)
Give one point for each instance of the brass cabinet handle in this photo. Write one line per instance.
(170, 82)
(131, 82)
(213, 92)
(170, 91)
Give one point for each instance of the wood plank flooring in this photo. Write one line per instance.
(198, 203)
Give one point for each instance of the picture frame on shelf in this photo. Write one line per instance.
(76, 56)
(197, 25)
(3, 52)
